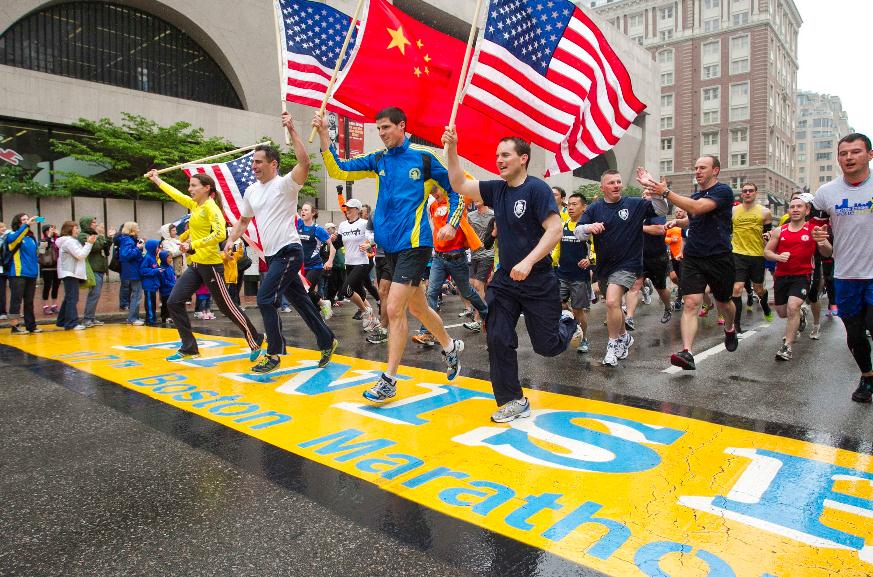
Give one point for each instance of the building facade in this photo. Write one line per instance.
(212, 63)
(821, 123)
(728, 84)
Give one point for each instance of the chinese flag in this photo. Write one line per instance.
(404, 63)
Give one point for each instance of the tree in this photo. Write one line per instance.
(591, 191)
(128, 150)
(17, 180)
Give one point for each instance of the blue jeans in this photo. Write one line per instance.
(135, 299)
(440, 269)
(94, 297)
(68, 315)
(124, 294)
(282, 278)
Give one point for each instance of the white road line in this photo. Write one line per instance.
(714, 350)
(454, 326)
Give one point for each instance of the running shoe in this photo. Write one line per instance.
(19, 330)
(36, 330)
(46, 309)
(425, 339)
(474, 326)
(56, 309)
(864, 392)
(625, 346)
(359, 314)
(327, 354)
(517, 409)
(378, 336)
(684, 360)
(466, 313)
(79, 328)
(731, 342)
(256, 353)
(611, 358)
(784, 353)
(3, 317)
(180, 356)
(198, 315)
(453, 359)
(577, 336)
(383, 390)
(137, 322)
(720, 320)
(833, 311)
(678, 305)
(815, 333)
(325, 309)
(704, 311)
(629, 323)
(665, 318)
(769, 317)
(584, 346)
(97, 323)
(266, 364)
(286, 309)
(803, 315)
(646, 294)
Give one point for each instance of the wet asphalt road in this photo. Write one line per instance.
(97, 480)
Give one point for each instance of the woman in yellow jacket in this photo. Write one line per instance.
(231, 269)
(207, 228)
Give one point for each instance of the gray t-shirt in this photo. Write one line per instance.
(851, 214)
(480, 223)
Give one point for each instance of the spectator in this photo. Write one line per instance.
(48, 266)
(22, 269)
(124, 284)
(98, 261)
(170, 243)
(232, 271)
(72, 270)
(168, 281)
(3, 277)
(150, 271)
(130, 248)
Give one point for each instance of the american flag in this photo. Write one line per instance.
(232, 178)
(547, 71)
(314, 35)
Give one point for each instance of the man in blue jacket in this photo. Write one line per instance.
(401, 227)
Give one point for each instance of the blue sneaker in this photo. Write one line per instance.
(453, 361)
(383, 390)
(180, 356)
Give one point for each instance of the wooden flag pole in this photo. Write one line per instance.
(280, 44)
(214, 156)
(474, 27)
(336, 68)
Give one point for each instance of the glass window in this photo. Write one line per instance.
(711, 50)
(666, 79)
(666, 144)
(666, 166)
(666, 123)
(117, 45)
(710, 139)
(710, 117)
(666, 101)
(711, 25)
(740, 66)
(666, 13)
(740, 135)
(739, 159)
(665, 57)
(741, 18)
(665, 35)
(711, 71)
(710, 4)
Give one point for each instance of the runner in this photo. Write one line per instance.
(402, 171)
(847, 201)
(617, 223)
(656, 264)
(312, 237)
(272, 200)
(206, 229)
(574, 270)
(482, 260)
(751, 226)
(673, 238)
(525, 283)
(708, 258)
(354, 236)
(792, 248)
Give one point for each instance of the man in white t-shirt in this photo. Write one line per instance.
(848, 202)
(272, 200)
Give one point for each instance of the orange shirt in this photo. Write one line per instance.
(439, 212)
(673, 238)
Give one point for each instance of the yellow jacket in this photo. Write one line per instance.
(231, 274)
(207, 226)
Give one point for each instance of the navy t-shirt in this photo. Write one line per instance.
(519, 213)
(654, 245)
(573, 250)
(620, 245)
(710, 234)
(312, 237)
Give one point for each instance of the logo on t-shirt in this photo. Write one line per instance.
(414, 174)
(623, 214)
(804, 238)
(442, 211)
(519, 208)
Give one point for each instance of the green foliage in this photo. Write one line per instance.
(17, 180)
(632, 191)
(591, 191)
(122, 153)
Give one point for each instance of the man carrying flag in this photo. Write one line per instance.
(400, 225)
(529, 227)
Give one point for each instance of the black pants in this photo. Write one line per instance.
(335, 283)
(68, 315)
(358, 281)
(23, 289)
(313, 277)
(3, 279)
(50, 284)
(212, 275)
(538, 298)
(233, 288)
(165, 311)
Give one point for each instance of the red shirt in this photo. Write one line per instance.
(802, 248)
(439, 211)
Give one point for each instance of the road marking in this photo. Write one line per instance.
(714, 350)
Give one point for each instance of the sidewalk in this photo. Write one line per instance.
(107, 307)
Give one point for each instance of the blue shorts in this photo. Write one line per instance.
(852, 295)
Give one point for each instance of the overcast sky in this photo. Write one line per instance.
(834, 55)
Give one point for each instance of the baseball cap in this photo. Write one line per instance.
(353, 203)
(329, 225)
(806, 197)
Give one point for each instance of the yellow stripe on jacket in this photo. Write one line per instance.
(207, 227)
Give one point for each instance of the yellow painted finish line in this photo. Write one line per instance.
(622, 490)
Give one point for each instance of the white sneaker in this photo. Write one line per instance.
(198, 315)
(518, 409)
(625, 346)
(611, 358)
(137, 323)
(577, 336)
(815, 333)
(3, 317)
(325, 309)
(79, 328)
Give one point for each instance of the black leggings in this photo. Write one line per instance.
(358, 281)
(50, 282)
(856, 338)
(313, 277)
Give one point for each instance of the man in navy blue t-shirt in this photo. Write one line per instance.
(617, 225)
(708, 253)
(528, 228)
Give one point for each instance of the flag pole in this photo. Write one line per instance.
(474, 27)
(336, 68)
(214, 156)
(277, 8)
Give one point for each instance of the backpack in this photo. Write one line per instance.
(243, 264)
(115, 260)
(6, 253)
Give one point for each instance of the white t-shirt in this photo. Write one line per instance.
(273, 205)
(353, 234)
(851, 214)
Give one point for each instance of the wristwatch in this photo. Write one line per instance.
(666, 192)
